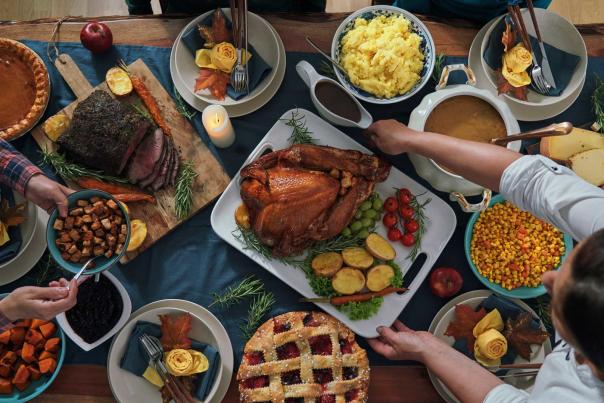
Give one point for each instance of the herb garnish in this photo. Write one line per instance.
(439, 65)
(182, 107)
(249, 286)
(420, 217)
(70, 170)
(184, 189)
(300, 133)
(597, 100)
(326, 69)
(260, 306)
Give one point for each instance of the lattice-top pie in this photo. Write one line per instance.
(303, 357)
(24, 88)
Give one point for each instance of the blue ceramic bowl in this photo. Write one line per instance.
(36, 388)
(102, 263)
(418, 27)
(521, 292)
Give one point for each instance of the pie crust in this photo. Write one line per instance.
(24, 98)
(303, 357)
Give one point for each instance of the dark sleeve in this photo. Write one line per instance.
(15, 169)
(139, 7)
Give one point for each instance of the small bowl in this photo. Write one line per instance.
(556, 31)
(520, 292)
(417, 26)
(36, 388)
(127, 310)
(102, 263)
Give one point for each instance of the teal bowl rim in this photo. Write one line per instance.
(521, 292)
(51, 233)
(43, 386)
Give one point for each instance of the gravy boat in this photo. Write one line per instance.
(311, 78)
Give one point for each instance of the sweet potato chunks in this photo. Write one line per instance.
(48, 329)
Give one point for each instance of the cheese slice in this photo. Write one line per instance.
(561, 148)
(589, 165)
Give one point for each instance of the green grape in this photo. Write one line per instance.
(346, 231)
(366, 222)
(378, 204)
(365, 206)
(356, 226)
(371, 213)
(363, 234)
(358, 215)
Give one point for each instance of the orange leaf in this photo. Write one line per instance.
(509, 38)
(462, 326)
(521, 335)
(175, 331)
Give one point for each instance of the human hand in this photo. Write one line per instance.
(390, 136)
(40, 302)
(401, 343)
(47, 194)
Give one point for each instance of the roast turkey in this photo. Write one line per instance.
(307, 193)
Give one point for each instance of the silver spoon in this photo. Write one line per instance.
(78, 274)
(336, 64)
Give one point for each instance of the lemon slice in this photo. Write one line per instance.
(55, 126)
(137, 235)
(118, 81)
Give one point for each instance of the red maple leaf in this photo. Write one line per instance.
(175, 331)
(504, 87)
(463, 324)
(215, 80)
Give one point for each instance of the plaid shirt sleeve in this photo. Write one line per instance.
(15, 169)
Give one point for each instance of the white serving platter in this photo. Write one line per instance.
(439, 228)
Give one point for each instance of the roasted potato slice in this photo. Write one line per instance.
(138, 235)
(327, 264)
(379, 247)
(118, 81)
(379, 277)
(357, 257)
(348, 281)
(55, 126)
(242, 216)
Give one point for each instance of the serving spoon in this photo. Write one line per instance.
(555, 129)
(325, 55)
(86, 265)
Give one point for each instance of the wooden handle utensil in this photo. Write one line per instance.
(555, 129)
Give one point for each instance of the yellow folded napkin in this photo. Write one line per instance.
(491, 320)
(4, 238)
(221, 57)
(515, 63)
(182, 362)
(489, 347)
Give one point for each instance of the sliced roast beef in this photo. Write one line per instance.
(103, 133)
(143, 183)
(146, 156)
(160, 181)
(174, 173)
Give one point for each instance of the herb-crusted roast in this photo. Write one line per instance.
(103, 134)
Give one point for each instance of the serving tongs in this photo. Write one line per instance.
(344, 299)
(555, 129)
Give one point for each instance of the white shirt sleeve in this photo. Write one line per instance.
(554, 193)
(506, 394)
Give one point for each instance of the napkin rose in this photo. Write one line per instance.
(492, 320)
(515, 63)
(182, 362)
(489, 347)
(224, 56)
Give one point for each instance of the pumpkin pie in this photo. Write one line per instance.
(24, 88)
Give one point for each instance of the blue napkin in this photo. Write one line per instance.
(10, 249)
(257, 68)
(507, 309)
(135, 359)
(563, 64)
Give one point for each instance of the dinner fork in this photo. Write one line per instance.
(239, 74)
(155, 351)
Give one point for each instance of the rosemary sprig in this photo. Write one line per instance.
(420, 217)
(236, 293)
(300, 133)
(183, 197)
(141, 110)
(439, 65)
(260, 306)
(70, 170)
(326, 69)
(597, 100)
(250, 241)
(182, 107)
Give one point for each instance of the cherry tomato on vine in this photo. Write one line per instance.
(411, 226)
(408, 239)
(389, 220)
(404, 197)
(394, 234)
(406, 212)
(391, 205)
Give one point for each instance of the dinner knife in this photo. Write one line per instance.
(545, 66)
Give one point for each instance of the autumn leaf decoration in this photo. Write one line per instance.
(12, 216)
(509, 38)
(504, 87)
(175, 331)
(463, 324)
(521, 335)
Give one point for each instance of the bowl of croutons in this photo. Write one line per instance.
(97, 225)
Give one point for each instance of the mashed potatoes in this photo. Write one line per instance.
(382, 56)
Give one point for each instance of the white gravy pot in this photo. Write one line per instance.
(438, 177)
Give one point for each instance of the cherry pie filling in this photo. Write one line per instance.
(351, 395)
(254, 358)
(346, 346)
(327, 399)
(288, 351)
(294, 400)
(256, 382)
(280, 327)
(320, 345)
(291, 377)
(323, 376)
(350, 373)
(309, 321)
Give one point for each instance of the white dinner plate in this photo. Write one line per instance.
(474, 298)
(129, 388)
(31, 251)
(245, 106)
(525, 113)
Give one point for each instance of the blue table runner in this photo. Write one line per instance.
(192, 261)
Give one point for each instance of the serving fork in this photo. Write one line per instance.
(155, 351)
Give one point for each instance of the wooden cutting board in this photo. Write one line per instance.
(211, 180)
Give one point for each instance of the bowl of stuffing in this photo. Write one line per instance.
(97, 225)
(387, 53)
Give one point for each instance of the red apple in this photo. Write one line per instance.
(96, 37)
(445, 282)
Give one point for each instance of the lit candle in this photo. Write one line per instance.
(216, 121)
